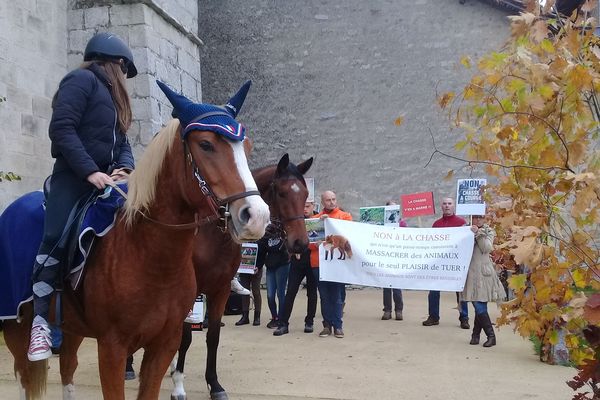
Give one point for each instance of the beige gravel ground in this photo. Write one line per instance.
(376, 360)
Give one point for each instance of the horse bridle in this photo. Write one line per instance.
(276, 220)
(219, 207)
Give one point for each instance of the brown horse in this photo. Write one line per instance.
(283, 188)
(140, 278)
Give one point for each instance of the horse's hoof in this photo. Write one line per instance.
(219, 396)
(179, 397)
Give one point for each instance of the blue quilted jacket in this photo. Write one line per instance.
(84, 131)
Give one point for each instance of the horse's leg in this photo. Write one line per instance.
(32, 376)
(157, 357)
(177, 375)
(216, 307)
(68, 363)
(112, 358)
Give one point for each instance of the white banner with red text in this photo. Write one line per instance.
(395, 257)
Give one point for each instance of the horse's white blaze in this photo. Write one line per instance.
(295, 187)
(178, 389)
(258, 209)
(69, 392)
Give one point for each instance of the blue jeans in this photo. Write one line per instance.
(434, 306)
(331, 302)
(480, 307)
(276, 284)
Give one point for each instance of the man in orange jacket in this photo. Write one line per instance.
(332, 293)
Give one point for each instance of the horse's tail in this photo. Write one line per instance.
(35, 385)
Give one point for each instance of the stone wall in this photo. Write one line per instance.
(33, 58)
(330, 77)
(40, 40)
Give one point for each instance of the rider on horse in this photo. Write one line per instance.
(91, 115)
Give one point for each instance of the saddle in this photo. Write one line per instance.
(94, 215)
(70, 236)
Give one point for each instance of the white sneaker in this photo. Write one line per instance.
(193, 318)
(237, 287)
(40, 343)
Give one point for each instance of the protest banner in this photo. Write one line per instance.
(469, 196)
(248, 263)
(380, 215)
(394, 257)
(417, 204)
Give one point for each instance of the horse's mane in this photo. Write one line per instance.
(142, 181)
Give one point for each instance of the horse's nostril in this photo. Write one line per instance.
(245, 215)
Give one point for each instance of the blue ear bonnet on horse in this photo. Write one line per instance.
(208, 117)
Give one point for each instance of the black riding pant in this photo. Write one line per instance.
(66, 189)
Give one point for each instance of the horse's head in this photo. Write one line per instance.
(285, 190)
(215, 150)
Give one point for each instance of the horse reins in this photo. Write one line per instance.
(219, 207)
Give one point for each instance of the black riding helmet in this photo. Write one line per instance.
(108, 45)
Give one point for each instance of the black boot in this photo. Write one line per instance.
(476, 330)
(486, 324)
(464, 322)
(244, 320)
(256, 321)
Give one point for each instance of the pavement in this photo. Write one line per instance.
(376, 360)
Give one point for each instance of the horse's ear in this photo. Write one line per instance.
(235, 103)
(305, 166)
(283, 164)
(248, 145)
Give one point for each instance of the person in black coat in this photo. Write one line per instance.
(91, 114)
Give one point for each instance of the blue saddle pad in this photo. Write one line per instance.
(21, 231)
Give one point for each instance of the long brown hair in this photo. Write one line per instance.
(118, 91)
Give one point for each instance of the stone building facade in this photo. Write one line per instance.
(41, 40)
(330, 77)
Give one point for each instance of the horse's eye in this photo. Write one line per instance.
(282, 194)
(207, 146)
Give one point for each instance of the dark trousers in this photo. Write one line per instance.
(66, 189)
(387, 299)
(252, 283)
(299, 271)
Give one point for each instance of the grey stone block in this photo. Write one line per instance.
(33, 126)
(75, 19)
(18, 98)
(42, 107)
(95, 17)
(130, 14)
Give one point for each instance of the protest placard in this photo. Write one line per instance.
(310, 185)
(417, 204)
(380, 215)
(469, 196)
(393, 257)
(315, 229)
(248, 263)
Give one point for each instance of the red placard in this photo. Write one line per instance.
(417, 204)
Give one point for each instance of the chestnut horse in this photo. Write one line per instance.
(283, 188)
(139, 282)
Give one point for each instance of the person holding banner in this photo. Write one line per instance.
(448, 220)
(332, 293)
(482, 284)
